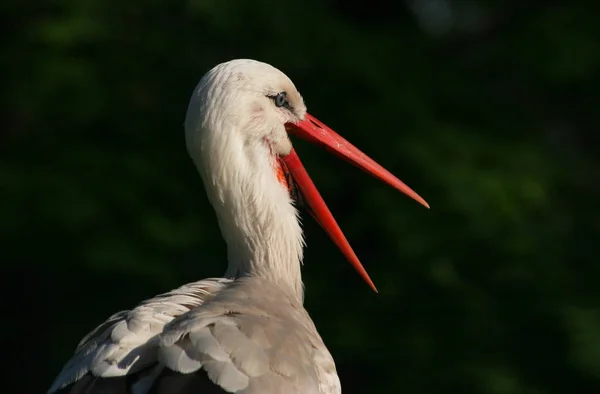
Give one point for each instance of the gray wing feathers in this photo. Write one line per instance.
(228, 355)
(265, 344)
(127, 341)
(248, 336)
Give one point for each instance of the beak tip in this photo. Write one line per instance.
(371, 284)
(420, 200)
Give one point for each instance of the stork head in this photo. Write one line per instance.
(243, 112)
(250, 98)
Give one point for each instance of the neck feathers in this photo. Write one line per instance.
(255, 211)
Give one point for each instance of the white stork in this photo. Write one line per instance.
(248, 332)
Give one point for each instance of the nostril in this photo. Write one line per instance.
(315, 123)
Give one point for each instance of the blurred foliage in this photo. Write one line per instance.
(488, 109)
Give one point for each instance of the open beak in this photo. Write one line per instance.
(316, 132)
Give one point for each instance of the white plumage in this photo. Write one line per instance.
(247, 333)
(244, 347)
(128, 341)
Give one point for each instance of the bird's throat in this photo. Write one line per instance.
(253, 201)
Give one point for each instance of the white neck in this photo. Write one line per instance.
(255, 212)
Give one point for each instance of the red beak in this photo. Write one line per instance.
(316, 132)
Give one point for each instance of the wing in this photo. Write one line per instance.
(126, 343)
(245, 337)
(251, 338)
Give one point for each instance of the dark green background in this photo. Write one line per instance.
(488, 109)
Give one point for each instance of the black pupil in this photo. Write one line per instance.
(281, 99)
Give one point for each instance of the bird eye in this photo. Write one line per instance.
(281, 99)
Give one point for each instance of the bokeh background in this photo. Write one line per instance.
(488, 109)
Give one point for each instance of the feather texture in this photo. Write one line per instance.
(265, 344)
(127, 341)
